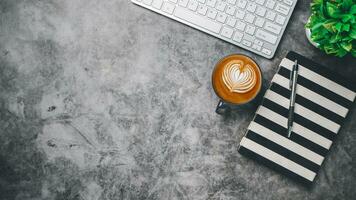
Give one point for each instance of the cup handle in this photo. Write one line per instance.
(222, 108)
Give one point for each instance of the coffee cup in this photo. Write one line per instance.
(236, 80)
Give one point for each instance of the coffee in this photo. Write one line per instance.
(236, 79)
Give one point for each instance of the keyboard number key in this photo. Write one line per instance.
(168, 7)
(227, 32)
(238, 36)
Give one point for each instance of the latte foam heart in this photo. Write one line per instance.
(238, 77)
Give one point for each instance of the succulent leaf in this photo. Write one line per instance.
(333, 26)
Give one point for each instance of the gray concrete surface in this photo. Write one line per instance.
(102, 99)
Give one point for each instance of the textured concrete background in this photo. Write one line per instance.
(102, 99)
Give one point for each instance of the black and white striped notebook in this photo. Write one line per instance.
(322, 103)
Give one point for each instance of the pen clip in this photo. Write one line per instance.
(295, 67)
(290, 79)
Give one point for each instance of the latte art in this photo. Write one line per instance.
(238, 77)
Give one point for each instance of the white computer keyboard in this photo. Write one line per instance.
(255, 25)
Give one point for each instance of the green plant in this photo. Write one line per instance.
(333, 26)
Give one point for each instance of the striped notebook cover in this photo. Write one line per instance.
(322, 103)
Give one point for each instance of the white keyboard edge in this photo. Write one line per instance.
(219, 36)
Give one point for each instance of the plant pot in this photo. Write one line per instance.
(308, 34)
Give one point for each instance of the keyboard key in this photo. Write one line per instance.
(261, 11)
(231, 21)
(259, 22)
(157, 4)
(251, 7)
(240, 14)
(288, 2)
(258, 42)
(246, 43)
(280, 19)
(270, 4)
(276, 29)
(248, 37)
(282, 9)
(202, 9)
(232, 2)
(221, 6)
(260, 2)
(238, 36)
(212, 13)
(249, 18)
(183, 3)
(147, 2)
(193, 5)
(241, 3)
(266, 51)
(256, 25)
(227, 32)
(211, 3)
(257, 47)
(240, 25)
(168, 7)
(268, 37)
(271, 15)
(230, 10)
(198, 20)
(250, 30)
(221, 17)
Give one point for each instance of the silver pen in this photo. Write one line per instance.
(293, 87)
